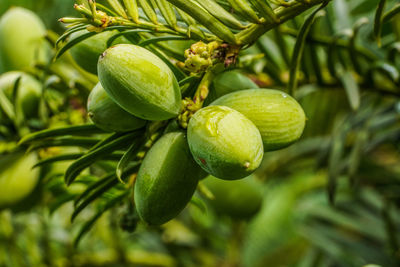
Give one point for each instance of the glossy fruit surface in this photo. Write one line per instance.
(87, 52)
(238, 199)
(278, 116)
(166, 179)
(107, 115)
(139, 82)
(224, 142)
(22, 42)
(17, 178)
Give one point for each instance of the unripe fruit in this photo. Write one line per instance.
(166, 180)
(28, 94)
(228, 82)
(224, 142)
(239, 199)
(22, 40)
(17, 178)
(139, 82)
(86, 53)
(107, 115)
(277, 115)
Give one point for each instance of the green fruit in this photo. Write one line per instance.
(17, 178)
(86, 53)
(22, 40)
(224, 142)
(277, 115)
(166, 179)
(228, 82)
(139, 82)
(107, 115)
(28, 94)
(238, 199)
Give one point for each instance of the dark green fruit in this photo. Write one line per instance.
(228, 82)
(22, 40)
(28, 94)
(166, 180)
(224, 142)
(239, 199)
(17, 178)
(139, 82)
(107, 115)
(87, 52)
(278, 116)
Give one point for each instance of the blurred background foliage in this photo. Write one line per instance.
(331, 199)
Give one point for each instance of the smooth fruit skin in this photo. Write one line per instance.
(278, 116)
(107, 115)
(224, 142)
(166, 179)
(28, 94)
(228, 82)
(240, 199)
(22, 40)
(139, 82)
(86, 53)
(17, 178)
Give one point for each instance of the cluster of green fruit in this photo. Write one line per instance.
(22, 45)
(226, 139)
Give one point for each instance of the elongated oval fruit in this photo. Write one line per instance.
(28, 93)
(239, 199)
(278, 116)
(86, 53)
(224, 142)
(107, 115)
(17, 178)
(166, 179)
(22, 40)
(140, 82)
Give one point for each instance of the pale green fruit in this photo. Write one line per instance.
(22, 42)
(279, 117)
(224, 142)
(140, 82)
(107, 115)
(166, 179)
(17, 178)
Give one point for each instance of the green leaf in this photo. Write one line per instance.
(79, 130)
(299, 47)
(85, 142)
(391, 13)
(128, 157)
(92, 156)
(124, 33)
(73, 156)
(351, 87)
(73, 42)
(101, 209)
(94, 194)
(6, 106)
(378, 21)
(161, 39)
(69, 32)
